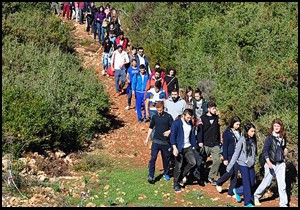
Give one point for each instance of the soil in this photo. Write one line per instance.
(127, 137)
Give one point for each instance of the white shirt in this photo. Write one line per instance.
(119, 59)
(187, 130)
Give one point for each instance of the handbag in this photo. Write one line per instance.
(105, 22)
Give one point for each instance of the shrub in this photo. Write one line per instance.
(49, 98)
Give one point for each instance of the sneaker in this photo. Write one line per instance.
(256, 202)
(146, 120)
(230, 196)
(127, 107)
(103, 72)
(219, 188)
(150, 180)
(166, 177)
(177, 189)
(249, 205)
(237, 196)
(183, 181)
(140, 120)
(212, 182)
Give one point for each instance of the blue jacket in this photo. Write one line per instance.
(177, 135)
(229, 142)
(138, 84)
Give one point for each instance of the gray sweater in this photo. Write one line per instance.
(240, 156)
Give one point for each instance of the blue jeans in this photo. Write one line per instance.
(102, 33)
(105, 60)
(129, 94)
(119, 76)
(155, 148)
(99, 31)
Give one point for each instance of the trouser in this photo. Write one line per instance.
(89, 21)
(181, 170)
(66, 11)
(155, 148)
(99, 31)
(77, 14)
(232, 174)
(129, 94)
(248, 182)
(105, 61)
(120, 77)
(80, 16)
(215, 153)
(279, 169)
(138, 104)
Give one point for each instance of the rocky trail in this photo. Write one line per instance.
(124, 140)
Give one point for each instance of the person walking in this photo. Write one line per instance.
(160, 141)
(132, 70)
(230, 137)
(274, 167)
(244, 154)
(171, 81)
(138, 86)
(208, 136)
(183, 142)
(119, 59)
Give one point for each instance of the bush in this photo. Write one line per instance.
(48, 97)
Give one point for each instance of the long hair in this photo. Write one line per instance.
(247, 127)
(233, 120)
(188, 89)
(282, 132)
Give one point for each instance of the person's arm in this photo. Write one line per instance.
(170, 121)
(147, 106)
(113, 61)
(173, 137)
(200, 133)
(235, 155)
(226, 140)
(266, 149)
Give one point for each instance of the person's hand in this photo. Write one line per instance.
(200, 144)
(225, 162)
(175, 152)
(146, 142)
(167, 133)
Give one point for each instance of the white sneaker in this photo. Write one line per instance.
(183, 181)
(219, 188)
(256, 202)
(127, 107)
(103, 72)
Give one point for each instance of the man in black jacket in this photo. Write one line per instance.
(208, 136)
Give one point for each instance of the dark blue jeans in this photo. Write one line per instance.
(181, 170)
(233, 178)
(155, 148)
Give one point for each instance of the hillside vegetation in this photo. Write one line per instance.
(48, 99)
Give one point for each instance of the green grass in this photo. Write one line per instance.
(128, 187)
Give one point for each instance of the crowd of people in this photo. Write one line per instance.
(183, 126)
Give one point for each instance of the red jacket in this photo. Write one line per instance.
(151, 83)
(124, 44)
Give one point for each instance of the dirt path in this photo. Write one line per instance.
(127, 139)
